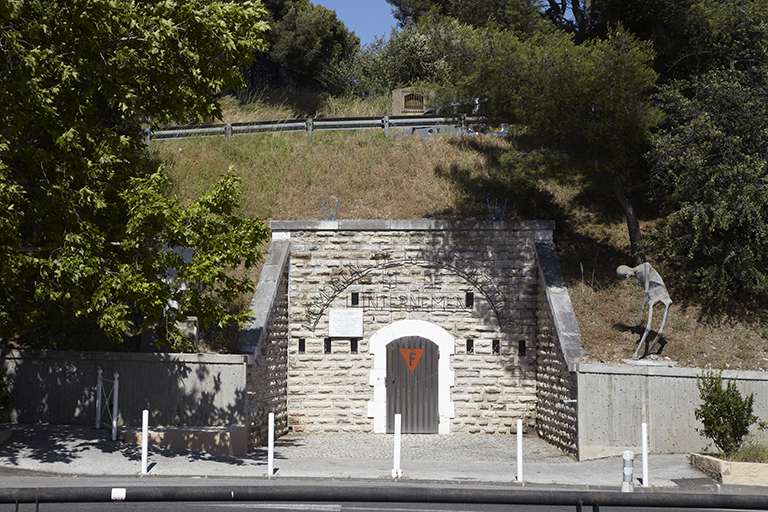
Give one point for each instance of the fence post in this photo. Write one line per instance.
(98, 401)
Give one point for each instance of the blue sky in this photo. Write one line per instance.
(368, 18)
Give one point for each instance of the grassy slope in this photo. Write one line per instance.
(287, 176)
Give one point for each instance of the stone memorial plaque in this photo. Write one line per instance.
(345, 323)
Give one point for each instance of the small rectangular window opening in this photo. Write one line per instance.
(302, 346)
(470, 346)
(355, 299)
(470, 299)
(353, 346)
(521, 348)
(496, 347)
(327, 345)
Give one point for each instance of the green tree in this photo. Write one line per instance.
(517, 15)
(710, 172)
(588, 101)
(85, 227)
(689, 36)
(308, 37)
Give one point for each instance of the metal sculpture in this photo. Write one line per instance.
(654, 292)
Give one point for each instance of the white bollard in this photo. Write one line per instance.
(627, 483)
(271, 446)
(144, 440)
(519, 450)
(645, 454)
(396, 471)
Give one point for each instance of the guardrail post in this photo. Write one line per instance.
(147, 135)
(228, 131)
(310, 126)
(385, 124)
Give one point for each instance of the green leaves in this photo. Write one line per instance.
(710, 172)
(726, 417)
(79, 79)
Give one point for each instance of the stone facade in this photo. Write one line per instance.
(472, 287)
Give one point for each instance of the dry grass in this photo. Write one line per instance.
(286, 177)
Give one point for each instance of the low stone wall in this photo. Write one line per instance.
(731, 473)
(265, 340)
(559, 345)
(59, 387)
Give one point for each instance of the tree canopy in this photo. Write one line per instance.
(307, 37)
(709, 169)
(86, 228)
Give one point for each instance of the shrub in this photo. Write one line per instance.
(726, 416)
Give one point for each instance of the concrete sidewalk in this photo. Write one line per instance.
(85, 451)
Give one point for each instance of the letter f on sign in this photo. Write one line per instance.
(412, 357)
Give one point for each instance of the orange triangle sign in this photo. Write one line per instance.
(412, 357)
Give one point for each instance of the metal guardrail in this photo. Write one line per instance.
(311, 125)
(385, 493)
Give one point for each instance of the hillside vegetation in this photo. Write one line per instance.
(286, 176)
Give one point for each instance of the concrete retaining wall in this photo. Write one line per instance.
(59, 387)
(615, 400)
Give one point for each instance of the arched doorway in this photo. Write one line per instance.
(412, 385)
(379, 343)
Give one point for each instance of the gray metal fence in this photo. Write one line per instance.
(310, 125)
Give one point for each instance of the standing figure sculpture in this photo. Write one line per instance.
(654, 292)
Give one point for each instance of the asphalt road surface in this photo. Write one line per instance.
(202, 506)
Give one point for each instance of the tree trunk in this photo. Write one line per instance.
(633, 224)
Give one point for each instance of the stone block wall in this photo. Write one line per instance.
(477, 281)
(558, 346)
(267, 375)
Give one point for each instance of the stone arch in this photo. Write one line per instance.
(377, 408)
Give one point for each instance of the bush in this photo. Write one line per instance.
(726, 416)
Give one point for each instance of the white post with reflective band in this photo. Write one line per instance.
(144, 440)
(396, 471)
(627, 484)
(519, 450)
(645, 454)
(271, 446)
